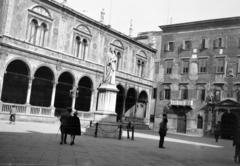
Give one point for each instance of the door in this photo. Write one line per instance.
(181, 123)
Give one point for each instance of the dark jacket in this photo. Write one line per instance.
(64, 120)
(163, 128)
(74, 126)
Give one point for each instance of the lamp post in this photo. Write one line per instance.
(211, 103)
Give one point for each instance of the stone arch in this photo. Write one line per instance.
(42, 87)
(63, 98)
(142, 105)
(117, 43)
(15, 82)
(130, 105)
(41, 10)
(83, 28)
(120, 101)
(83, 100)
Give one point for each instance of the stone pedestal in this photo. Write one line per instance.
(107, 97)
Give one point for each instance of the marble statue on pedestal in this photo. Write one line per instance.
(110, 68)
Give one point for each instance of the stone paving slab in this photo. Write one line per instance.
(28, 143)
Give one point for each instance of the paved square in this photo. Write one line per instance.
(28, 143)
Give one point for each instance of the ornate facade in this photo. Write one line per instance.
(53, 57)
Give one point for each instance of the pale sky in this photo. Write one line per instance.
(147, 15)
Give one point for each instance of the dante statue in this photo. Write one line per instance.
(110, 67)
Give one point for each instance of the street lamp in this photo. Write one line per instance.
(211, 101)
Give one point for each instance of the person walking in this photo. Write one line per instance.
(64, 125)
(217, 131)
(236, 143)
(75, 127)
(162, 131)
(12, 117)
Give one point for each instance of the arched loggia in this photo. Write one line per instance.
(130, 106)
(83, 100)
(119, 102)
(42, 86)
(63, 98)
(15, 83)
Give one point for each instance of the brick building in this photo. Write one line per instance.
(199, 71)
(53, 57)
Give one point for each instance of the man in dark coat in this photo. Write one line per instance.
(162, 130)
(64, 125)
(236, 143)
(74, 126)
(217, 131)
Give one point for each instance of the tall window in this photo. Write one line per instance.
(141, 64)
(82, 38)
(167, 94)
(184, 92)
(169, 66)
(39, 24)
(170, 46)
(140, 67)
(84, 48)
(42, 34)
(33, 31)
(217, 95)
(202, 65)
(220, 65)
(202, 94)
(185, 66)
(187, 45)
(77, 46)
(218, 43)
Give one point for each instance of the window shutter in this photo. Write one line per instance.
(165, 47)
(183, 45)
(223, 42)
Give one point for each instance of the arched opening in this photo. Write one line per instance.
(119, 103)
(63, 99)
(228, 125)
(77, 46)
(15, 83)
(42, 32)
(130, 103)
(83, 101)
(33, 31)
(199, 122)
(142, 105)
(42, 87)
(84, 48)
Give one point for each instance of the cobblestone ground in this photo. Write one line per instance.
(27, 143)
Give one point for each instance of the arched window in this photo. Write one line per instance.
(199, 122)
(33, 31)
(42, 34)
(39, 25)
(77, 46)
(82, 38)
(84, 48)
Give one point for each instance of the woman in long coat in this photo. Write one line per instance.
(74, 127)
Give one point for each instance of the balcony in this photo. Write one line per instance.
(181, 103)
